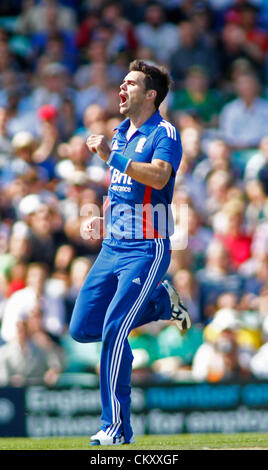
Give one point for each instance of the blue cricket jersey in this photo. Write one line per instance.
(134, 210)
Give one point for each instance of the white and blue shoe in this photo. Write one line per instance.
(179, 312)
(102, 439)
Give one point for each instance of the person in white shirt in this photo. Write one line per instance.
(243, 121)
(23, 301)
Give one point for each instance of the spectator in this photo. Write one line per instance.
(46, 343)
(216, 278)
(238, 67)
(94, 92)
(235, 239)
(219, 358)
(192, 150)
(24, 146)
(122, 34)
(78, 161)
(227, 300)
(23, 361)
(20, 119)
(93, 113)
(52, 86)
(86, 27)
(198, 97)
(18, 251)
(218, 158)
(155, 27)
(233, 46)
(193, 50)
(33, 18)
(243, 121)
(202, 17)
(97, 53)
(21, 303)
(257, 208)
(55, 41)
(42, 236)
(254, 38)
(257, 161)
(64, 256)
(218, 185)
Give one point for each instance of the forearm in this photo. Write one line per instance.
(147, 173)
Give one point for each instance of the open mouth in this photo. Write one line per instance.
(123, 98)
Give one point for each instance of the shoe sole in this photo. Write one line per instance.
(97, 442)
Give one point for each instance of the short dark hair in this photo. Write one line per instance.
(156, 78)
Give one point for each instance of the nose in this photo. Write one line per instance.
(123, 86)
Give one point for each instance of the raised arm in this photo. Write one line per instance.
(155, 174)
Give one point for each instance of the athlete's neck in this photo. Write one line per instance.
(136, 121)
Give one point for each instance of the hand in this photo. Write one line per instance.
(51, 376)
(92, 228)
(98, 144)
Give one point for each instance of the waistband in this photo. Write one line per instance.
(136, 243)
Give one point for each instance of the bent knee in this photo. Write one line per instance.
(76, 334)
(81, 336)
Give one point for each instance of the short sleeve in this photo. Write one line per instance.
(167, 145)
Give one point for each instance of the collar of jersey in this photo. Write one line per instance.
(146, 127)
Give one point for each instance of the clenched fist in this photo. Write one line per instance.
(98, 144)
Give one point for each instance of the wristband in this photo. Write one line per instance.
(119, 162)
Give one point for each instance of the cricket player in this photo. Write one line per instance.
(124, 288)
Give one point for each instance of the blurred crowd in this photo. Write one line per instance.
(61, 65)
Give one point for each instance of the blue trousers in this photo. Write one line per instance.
(122, 291)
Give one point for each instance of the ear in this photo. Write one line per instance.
(151, 94)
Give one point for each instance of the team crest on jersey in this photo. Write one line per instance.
(140, 144)
(115, 145)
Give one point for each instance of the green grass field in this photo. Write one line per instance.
(151, 442)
